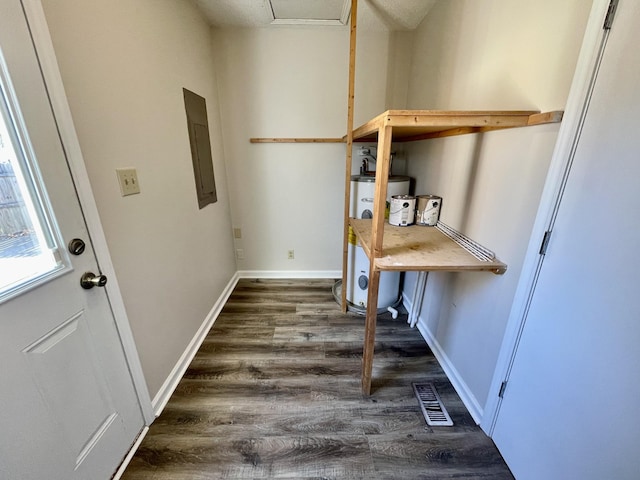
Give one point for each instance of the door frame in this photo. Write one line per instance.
(62, 113)
(586, 72)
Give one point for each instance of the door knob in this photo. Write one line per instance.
(90, 280)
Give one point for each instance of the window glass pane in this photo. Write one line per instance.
(27, 248)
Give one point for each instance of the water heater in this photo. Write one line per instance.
(361, 206)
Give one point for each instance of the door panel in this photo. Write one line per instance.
(81, 415)
(68, 407)
(570, 407)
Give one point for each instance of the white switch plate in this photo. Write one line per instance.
(128, 180)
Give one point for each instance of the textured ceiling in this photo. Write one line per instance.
(372, 14)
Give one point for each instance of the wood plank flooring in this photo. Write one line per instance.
(274, 392)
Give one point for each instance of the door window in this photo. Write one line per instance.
(29, 253)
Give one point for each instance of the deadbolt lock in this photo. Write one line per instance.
(76, 246)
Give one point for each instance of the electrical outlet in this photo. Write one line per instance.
(290, 255)
(239, 254)
(237, 233)
(128, 180)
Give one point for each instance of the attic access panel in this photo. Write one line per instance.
(324, 12)
(198, 125)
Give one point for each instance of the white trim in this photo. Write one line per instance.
(339, 22)
(132, 451)
(308, 21)
(568, 134)
(283, 274)
(170, 384)
(58, 98)
(460, 386)
(346, 12)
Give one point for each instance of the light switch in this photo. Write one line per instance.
(128, 179)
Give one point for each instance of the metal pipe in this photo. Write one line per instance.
(421, 285)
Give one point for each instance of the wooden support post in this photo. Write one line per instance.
(377, 234)
(383, 169)
(347, 176)
(370, 327)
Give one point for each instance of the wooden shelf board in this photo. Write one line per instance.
(421, 248)
(296, 140)
(412, 125)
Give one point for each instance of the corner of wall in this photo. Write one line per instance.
(399, 69)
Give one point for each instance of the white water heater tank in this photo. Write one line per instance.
(361, 206)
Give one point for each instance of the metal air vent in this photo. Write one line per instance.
(432, 408)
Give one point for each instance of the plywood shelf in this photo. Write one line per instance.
(296, 140)
(421, 248)
(413, 125)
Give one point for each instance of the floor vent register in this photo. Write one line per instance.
(432, 408)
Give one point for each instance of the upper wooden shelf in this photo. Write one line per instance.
(421, 248)
(296, 140)
(411, 125)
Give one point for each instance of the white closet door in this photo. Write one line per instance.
(570, 409)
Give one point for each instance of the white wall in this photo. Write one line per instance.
(489, 54)
(292, 82)
(399, 69)
(492, 54)
(124, 65)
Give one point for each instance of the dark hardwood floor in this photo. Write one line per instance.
(274, 392)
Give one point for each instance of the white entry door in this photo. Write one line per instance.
(68, 407)
(571, 406)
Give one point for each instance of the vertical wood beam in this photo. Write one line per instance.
(370, 327)
(380, 196)
(347, 176)
(377, 233)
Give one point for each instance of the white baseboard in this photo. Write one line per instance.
(168, 387)
(290, 274)
(460, 386)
